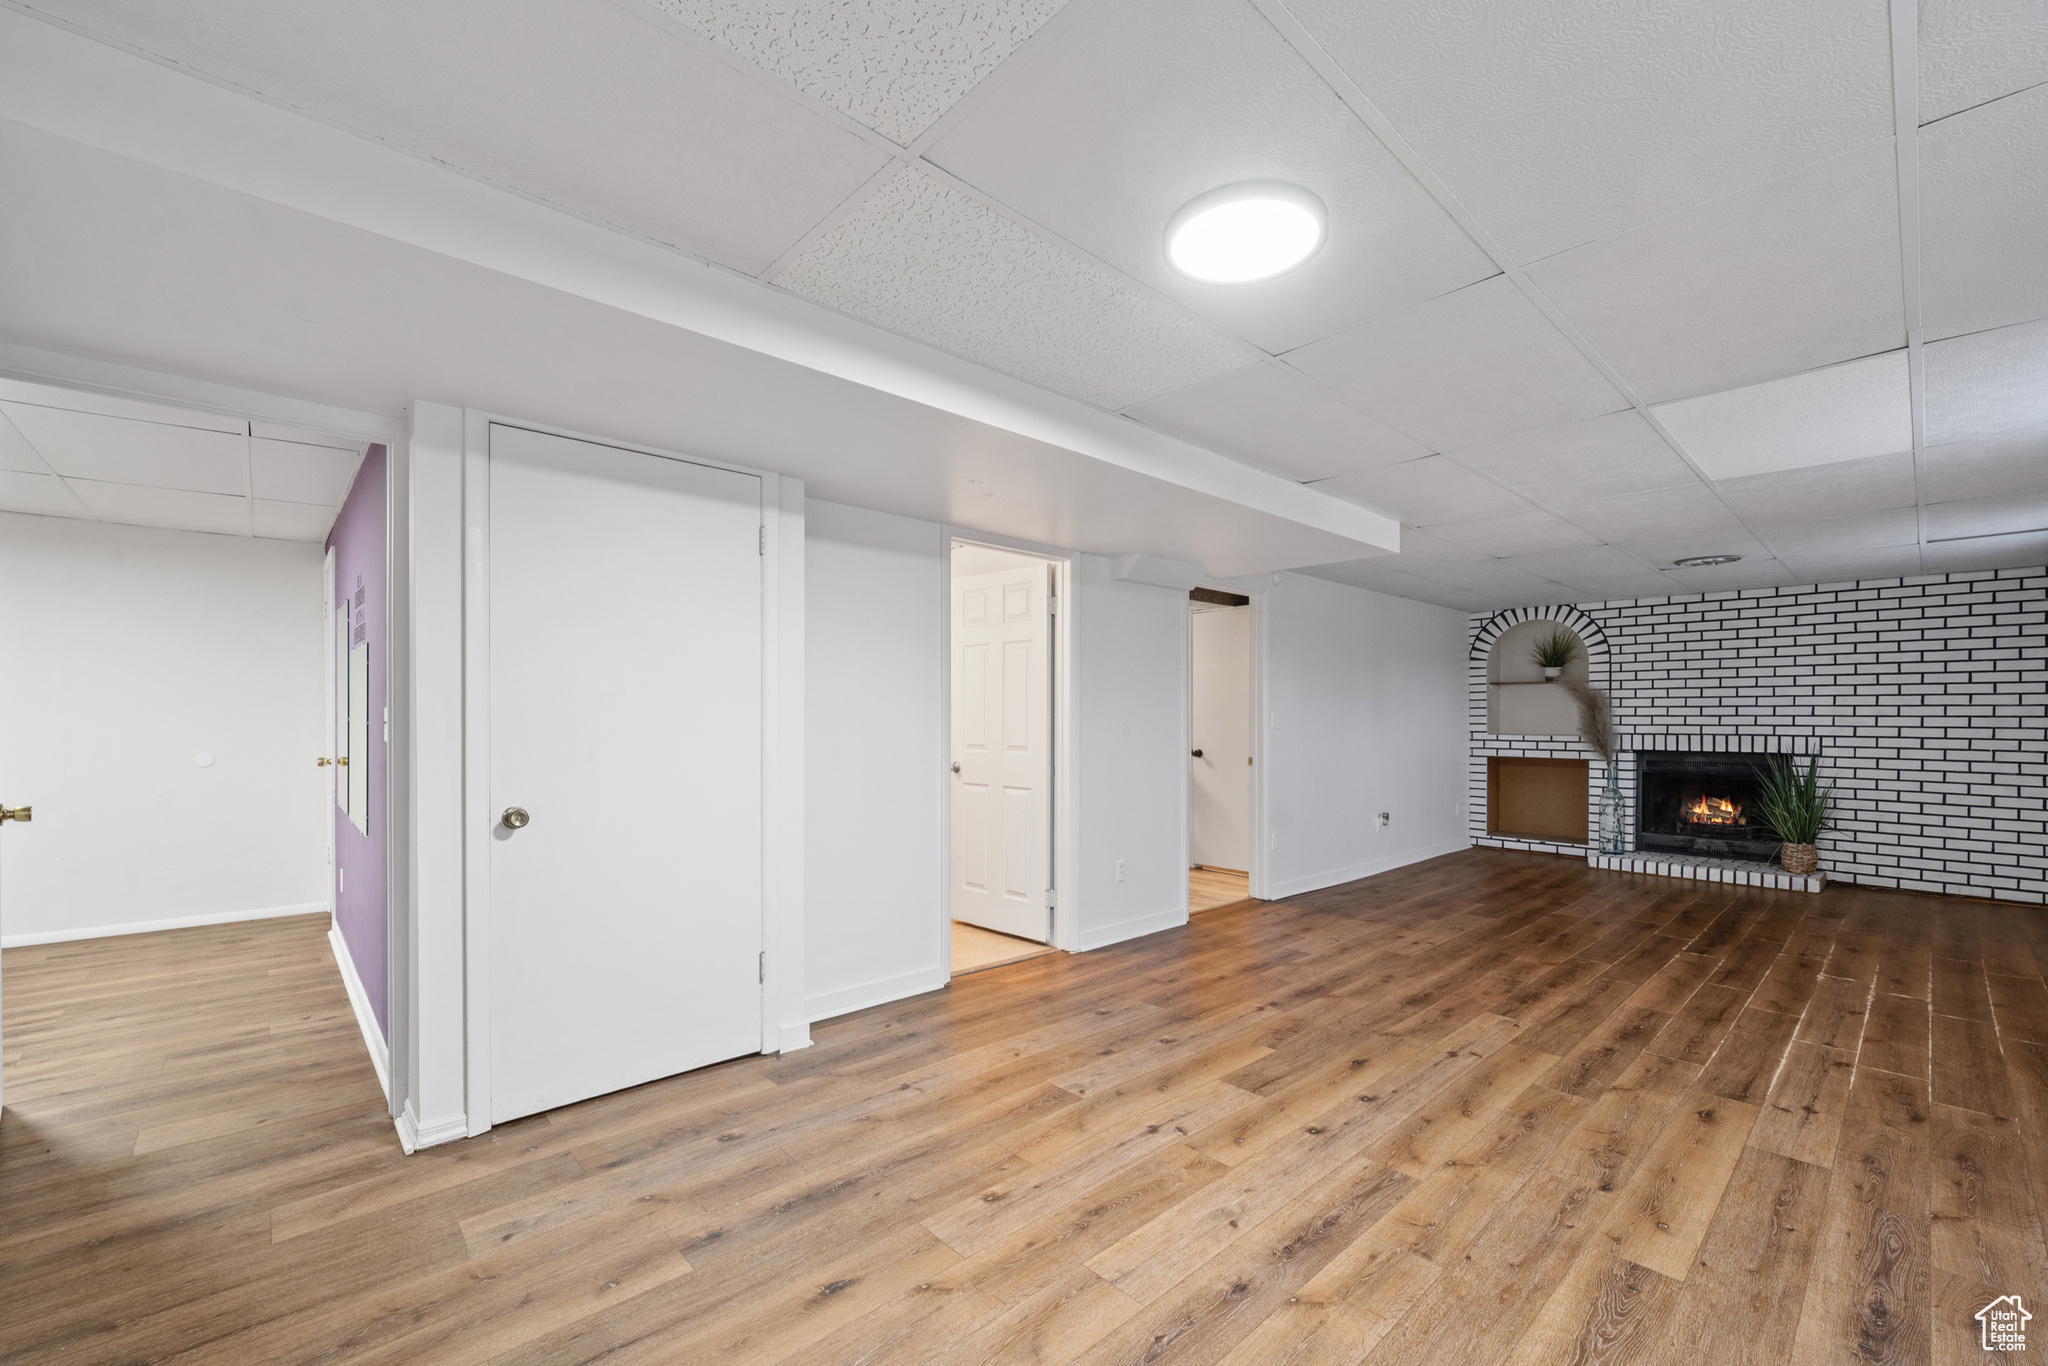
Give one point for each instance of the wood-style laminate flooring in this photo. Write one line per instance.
(975, 949)
(1495, 1107)
(1211, 889)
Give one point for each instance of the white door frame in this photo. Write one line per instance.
(782, 1024)
(1259, 882)
(333, 719)
(1063, 833)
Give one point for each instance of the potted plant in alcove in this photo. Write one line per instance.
(1553, 652)
(1796, 806)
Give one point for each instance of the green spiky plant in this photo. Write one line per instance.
(1795, 804)
(1556, 650)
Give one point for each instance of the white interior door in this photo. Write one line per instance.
(1002, 751)
(625, 719)
(1220, 726)
(332, 721)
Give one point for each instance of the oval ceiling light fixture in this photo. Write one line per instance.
(1702, 561)
(1246, 232)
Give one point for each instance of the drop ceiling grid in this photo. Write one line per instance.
(1905, 17)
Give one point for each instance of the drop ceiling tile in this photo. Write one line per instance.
(1984, 215)
(304, 436)
(2004, 515)
(41, 494)
(281, 521)
(1728, 578)
(1988, 385)
(1595, 573)
(1578, 461)
(1798, 272)
(1369, 574)
(1422, 492)
(120, 450)
(1979, 469)
(1844, 412)
(1268, 417)
(1824, 491)
(1560, 124)
(113, 405)
(1837, 538)
(894, 65)
(1976, 50)
(297, 473)
(1463, 369)
(1518, 533)
(592, 107)
(177, 509)
(1666, 524)
(1140, 105)
(15, 451)
(934, 265)
(1990, 552)
(1887, 563)
(1496, 580)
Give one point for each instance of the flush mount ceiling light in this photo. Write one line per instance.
(1247, 232)
(1702, 561)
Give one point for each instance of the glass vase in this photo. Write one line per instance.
(1611, 831)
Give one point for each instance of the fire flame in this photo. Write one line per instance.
(1713, 811)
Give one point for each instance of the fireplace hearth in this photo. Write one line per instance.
(1702, 804)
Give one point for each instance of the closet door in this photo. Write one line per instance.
(625, 768)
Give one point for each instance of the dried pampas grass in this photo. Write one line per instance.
(1596, 716)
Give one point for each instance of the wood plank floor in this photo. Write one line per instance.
(976, 949)
(1496, 1107)
(1211, 889)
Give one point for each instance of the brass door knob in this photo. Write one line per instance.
(343, 761)
(24, 814)
(1196, 752)
(323, 761)
(515, 818)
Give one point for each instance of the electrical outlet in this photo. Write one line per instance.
(1383, 820)
(1273, 840)
(1119, 870)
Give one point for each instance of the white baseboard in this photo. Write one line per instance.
(366, 1018)
(846, 1000)
(413, 1135)
(1103, 935)
(22, 941)
(1315, 882)
(793, 1036)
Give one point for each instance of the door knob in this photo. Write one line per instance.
(322, 762)
(343, 761)
(1196, 752)
(956, 768)
(24, 814)
(515, 818)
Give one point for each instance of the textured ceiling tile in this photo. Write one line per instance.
(1886, 563)
(1666, 525)
(175, 509)
(1976, 50)
(1980, 469)
(1984, 215)
(893, 65)
(579, 104)
(1843, 412)
(41, 494)
(278, 521)
(1372, 575)
(1727, 578)
(2003, 515)
(1268, 417)
(1467, 368)
(1560, 124)
(123, 451)
(1421, 492)
(934, 265)
(293, 472)
(1991, 552)
(1598, 571)
(1822, 491)
(15, 451)
(1579, 461)
(1518, 533)
(1140, 105)
(1801, 271)
(1838, 537)
(1988, 385)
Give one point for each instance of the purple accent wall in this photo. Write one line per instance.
(359, 560)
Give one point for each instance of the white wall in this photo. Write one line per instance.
(124, 651)
(875, 909)
(1365, 699)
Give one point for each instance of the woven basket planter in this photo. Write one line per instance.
(1800, 860)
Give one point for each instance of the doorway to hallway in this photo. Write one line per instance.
(1220, 757)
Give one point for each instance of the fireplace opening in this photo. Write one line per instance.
(1702, 804)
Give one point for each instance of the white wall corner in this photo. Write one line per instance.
(1158, 572)
(1313, 882)
(789, 1023)
(1101, 936)
(832, 1004)
(366, 1018)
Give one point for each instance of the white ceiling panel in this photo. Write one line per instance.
(1976, 50)
(176, 509)
(1836, 538)
(15, 451)
(2004, 515)
(1518, 533)
(1844, 412)
(1797, 272)
(894, 65)
(1895, 562)
(1990, 552)
(1988, 385)
(41, 494)
(1579, 461)
(112, 405)
(1268, 417)
(297, 473)
(1666, 524)
(1729, 578)
(1140, 105)
(1561, 124)
(1495, 580)
(1422, 492)
(293, 521)
(304, 436)
(932, 264)
(576, 103)
(1984, 215)
(119, 450)
(1824, 491)
(1469, 367)
(1370, 574)
(1980, 469)
(1596, 572)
